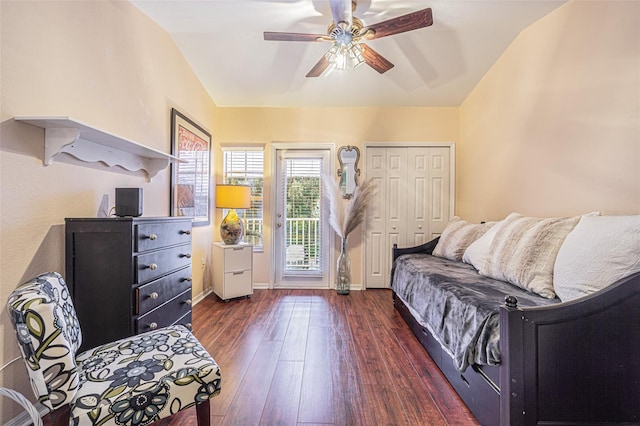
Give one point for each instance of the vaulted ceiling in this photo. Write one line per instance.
(435, 66)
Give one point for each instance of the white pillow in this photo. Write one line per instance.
(598, 252)
(457, 236)
(477, 254)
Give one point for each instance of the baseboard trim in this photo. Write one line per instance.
(353, 287)
(200, 297)
(265, 286)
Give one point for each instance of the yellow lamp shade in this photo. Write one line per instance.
(233, 196)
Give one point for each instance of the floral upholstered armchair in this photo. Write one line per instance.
(132, 381)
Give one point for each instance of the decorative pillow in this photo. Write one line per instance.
(457, 236)
(477, 254)
(524, 249)
(598, 252)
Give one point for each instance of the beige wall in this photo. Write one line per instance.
(554, 127)
(339, 126)
(107, 65)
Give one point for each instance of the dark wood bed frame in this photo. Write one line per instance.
(574, 363)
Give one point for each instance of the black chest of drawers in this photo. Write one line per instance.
(128, 275)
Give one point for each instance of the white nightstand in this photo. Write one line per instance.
(232, 270)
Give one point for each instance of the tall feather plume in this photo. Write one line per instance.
(356, 208)
(336, 204)
(345, 215)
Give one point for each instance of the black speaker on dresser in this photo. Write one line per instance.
(128, 202)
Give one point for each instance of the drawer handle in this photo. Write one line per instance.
(153, 266)
(238, 248)
(187, 279)
(187, 232)
(187, 255)
(154, 295)
(188, 302)
(238, 272)
(153, 325)
(153, 237)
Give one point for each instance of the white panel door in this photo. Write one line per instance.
(417, 196)
(411, 205)
(396, 199)
(375, 236)
(439, 195)
(428, 202)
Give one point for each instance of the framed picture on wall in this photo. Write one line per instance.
(190, 181)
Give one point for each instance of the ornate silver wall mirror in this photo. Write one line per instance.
(348, 156)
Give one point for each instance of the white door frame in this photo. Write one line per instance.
(275, 146)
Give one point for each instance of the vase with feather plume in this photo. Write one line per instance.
(344, 216)
(343, 270)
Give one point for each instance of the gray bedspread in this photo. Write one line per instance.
(457, 305)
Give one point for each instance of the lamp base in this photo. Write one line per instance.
(231, 228)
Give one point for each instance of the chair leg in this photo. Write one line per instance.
(58, 417)
(203, 412)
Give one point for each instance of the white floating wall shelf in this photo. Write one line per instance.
(88, 144)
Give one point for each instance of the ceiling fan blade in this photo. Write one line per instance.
(342, 11)
(375, 60)
(319, 67)
(278, 36)
(412, 21)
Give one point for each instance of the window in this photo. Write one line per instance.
(244, 166)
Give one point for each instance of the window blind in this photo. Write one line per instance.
(246, 167)
(302, 190)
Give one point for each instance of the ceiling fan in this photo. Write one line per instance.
(347, 32)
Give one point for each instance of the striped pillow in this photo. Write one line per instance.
(457, 236)
(524, 249)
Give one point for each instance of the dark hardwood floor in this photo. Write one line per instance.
(312, 357)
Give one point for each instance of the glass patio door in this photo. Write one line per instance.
(301, 226)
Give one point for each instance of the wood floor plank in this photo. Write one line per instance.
(283, 401)
(250, 398)
(235, 349)
(349, 397)
(316, 399)
(312, 357)
(276, 327)
(416, 399)
(380, 386)
(294, 345)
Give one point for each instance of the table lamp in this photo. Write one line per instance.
(232, 197)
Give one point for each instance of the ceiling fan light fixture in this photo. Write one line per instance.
(355, 54)
(340, 56)
(347, 31)
(332, 54)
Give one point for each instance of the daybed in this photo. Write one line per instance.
(519, 354)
